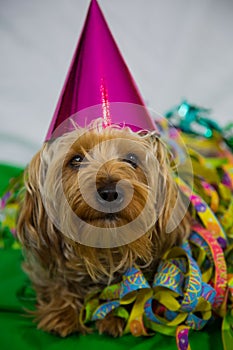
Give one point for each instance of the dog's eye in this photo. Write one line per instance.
(132, 159)
(76, 161)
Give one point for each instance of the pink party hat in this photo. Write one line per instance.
(99, 76)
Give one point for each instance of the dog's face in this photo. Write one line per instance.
(105, 178)
(108, 193)
(109, 184)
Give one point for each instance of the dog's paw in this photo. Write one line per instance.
(62, 322)
(111, 325)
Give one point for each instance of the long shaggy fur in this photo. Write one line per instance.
(62, 269)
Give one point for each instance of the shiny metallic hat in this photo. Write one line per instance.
(98, 83)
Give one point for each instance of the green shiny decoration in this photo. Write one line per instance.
(228, 135)
(192, 119)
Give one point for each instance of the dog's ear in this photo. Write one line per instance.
(34, 228)
(31, 211)
(173, 224)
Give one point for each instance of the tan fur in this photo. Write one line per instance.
(62, 270)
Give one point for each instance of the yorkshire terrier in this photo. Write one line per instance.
(98, 200)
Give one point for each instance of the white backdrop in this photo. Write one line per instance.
(174, 48)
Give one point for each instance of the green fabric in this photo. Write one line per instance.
(7, 172)
(17, 331)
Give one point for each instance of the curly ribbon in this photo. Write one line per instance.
(216, 257)
(227, 331)
(182, 341)
(204, 212)
(177, 300)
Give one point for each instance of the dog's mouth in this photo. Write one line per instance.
(111, 217)
(106, 219)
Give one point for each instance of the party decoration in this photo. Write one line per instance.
(9, 209)
(98, 83)
(193, 119)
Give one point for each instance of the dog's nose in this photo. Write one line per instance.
(109, 193)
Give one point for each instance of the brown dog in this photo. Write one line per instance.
(97, 201)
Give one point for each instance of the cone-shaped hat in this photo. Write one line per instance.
(98, 75)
